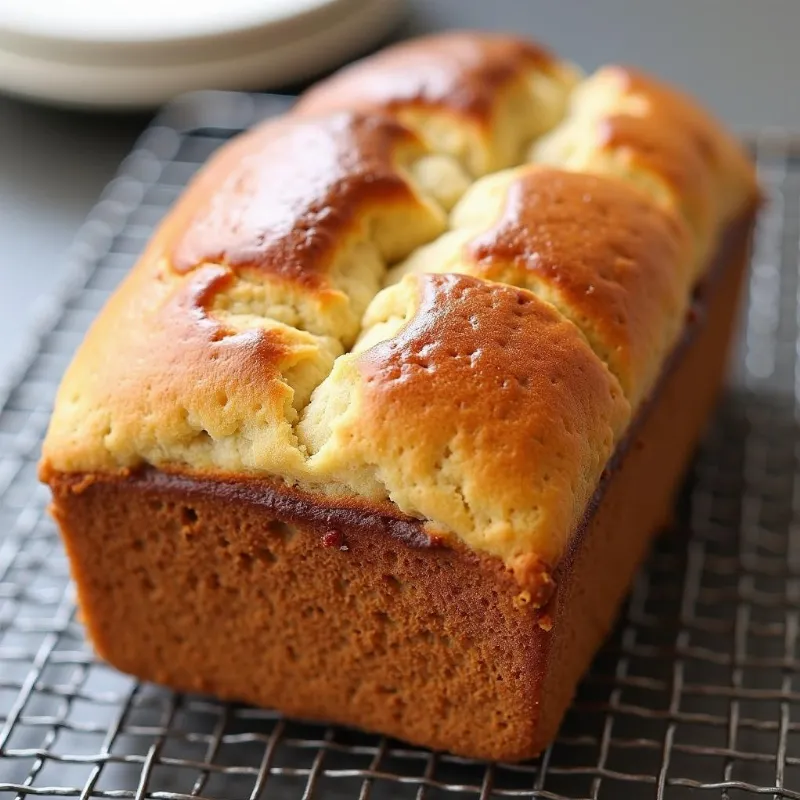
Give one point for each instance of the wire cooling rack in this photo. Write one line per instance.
(697, 693)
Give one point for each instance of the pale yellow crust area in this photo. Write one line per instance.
(623, 122)
(482, 393)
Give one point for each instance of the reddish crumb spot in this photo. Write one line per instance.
(546, 622)
(534, 578)
(332, 539)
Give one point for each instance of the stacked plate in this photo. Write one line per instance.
(118, 53)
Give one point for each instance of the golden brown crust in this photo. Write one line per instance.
(678, 140)
(480, 97)
(224, 353)
(618, 263)
(627, 123)
(208, 359)
(184, 386)
(296, 192)
(461, 71)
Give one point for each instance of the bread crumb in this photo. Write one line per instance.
(522, 599)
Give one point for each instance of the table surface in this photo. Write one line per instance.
(740, 57)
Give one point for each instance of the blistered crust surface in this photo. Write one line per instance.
(610, 260)
(482, 393)
(185, 387)
(253, 285)
(487, 411)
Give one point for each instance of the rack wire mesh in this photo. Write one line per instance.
(696, 692)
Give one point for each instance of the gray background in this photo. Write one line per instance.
(741, 57)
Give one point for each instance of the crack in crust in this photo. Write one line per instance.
(607, 258)
(494, 457)
(481, 99)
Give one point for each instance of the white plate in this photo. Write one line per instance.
(123, 54)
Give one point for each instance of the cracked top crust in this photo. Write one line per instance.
(479, 98)
(603, 254)
(340, 304)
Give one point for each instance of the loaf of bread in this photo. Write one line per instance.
(381, 424)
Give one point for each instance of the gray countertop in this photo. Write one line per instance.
(741, 57)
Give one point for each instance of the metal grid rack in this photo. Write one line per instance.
(697, 693)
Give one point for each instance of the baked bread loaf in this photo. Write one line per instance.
(384, 419)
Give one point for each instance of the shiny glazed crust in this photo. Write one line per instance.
(376, 308)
